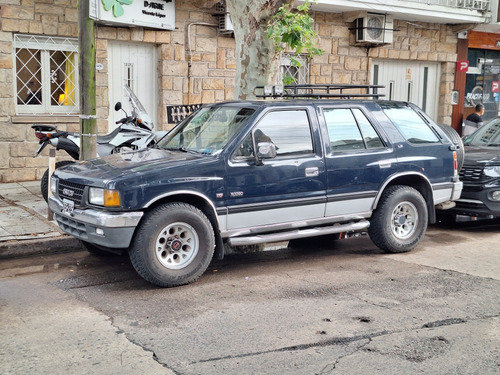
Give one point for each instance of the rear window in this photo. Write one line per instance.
(410, 124)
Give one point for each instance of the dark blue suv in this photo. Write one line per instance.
(250, 172)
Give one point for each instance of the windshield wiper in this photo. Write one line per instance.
(189, 150)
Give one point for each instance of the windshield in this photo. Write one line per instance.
(208, 130)
(137, 107)
(487, 135)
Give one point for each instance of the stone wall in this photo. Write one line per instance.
(17, 139)
(195, 65)
(345, 63)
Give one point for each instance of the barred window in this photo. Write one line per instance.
(295, 67)
(46, 75)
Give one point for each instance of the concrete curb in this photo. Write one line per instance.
(13, 249)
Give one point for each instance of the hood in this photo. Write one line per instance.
(112, 167)
(482, 155)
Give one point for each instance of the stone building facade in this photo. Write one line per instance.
(195, 64)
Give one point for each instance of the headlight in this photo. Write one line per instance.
(492, 171)
(104, 197)
(53, 185)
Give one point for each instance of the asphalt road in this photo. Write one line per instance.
(344, 309)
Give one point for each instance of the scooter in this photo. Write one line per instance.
(133, 133)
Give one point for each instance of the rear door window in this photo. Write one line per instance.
(350, 130)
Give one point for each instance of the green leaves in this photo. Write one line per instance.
(294, 30)
(116, 6)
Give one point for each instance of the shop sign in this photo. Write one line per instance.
(495, 85)
(158, 14)
(462, 65)
(477, 95)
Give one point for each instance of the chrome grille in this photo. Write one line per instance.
(71, 191)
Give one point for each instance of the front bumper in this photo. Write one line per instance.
(476, 200)
(108, 229)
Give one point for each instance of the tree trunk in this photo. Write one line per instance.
(257, 61)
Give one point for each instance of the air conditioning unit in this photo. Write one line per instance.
(374, 29)
(225, 24)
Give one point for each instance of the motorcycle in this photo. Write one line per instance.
(133, 133)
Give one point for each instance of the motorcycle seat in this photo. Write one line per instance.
(43, 128)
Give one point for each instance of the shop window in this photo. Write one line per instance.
(483, 82)
(46, 75)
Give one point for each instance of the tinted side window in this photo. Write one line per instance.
(343, 130)
(370, 136)
(350, 130)
(288, 130)
(410, 124)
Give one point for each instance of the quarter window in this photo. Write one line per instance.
(410, 124)
(46, 75)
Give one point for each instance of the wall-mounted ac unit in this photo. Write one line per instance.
(374, 29)
(225, 24)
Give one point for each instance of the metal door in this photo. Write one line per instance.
(134, 65)
(409, 81)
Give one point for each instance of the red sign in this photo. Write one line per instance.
(462, 65)
(495, 85)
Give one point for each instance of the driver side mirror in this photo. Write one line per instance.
(266, 150)
(118, 106)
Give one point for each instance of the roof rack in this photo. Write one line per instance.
(319, 91)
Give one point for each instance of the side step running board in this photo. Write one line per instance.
(299, 233)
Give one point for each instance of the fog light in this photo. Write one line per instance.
(99, 231)
(495, 195)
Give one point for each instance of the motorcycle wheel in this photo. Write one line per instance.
(44, 183)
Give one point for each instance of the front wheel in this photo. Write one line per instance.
(173, 245)
(400, 220)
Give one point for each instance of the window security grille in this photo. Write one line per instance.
(46, 75)
(300, 74)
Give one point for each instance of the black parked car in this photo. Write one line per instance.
(480, 174)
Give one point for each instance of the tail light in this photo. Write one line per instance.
(41, 135)
(455, 163)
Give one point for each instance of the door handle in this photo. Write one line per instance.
(312, 172)
(384, 164)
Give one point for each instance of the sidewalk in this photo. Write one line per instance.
(24, 226)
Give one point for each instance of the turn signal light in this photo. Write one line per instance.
(111, 198)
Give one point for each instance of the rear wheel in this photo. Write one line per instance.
(173, 245)
(400, 220)
(44, 183)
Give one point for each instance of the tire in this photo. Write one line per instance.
(173, 245)
(400, 220)
(44, 183)
(457, 141)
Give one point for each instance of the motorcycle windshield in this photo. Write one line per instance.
(138, 110)
(137, 107)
